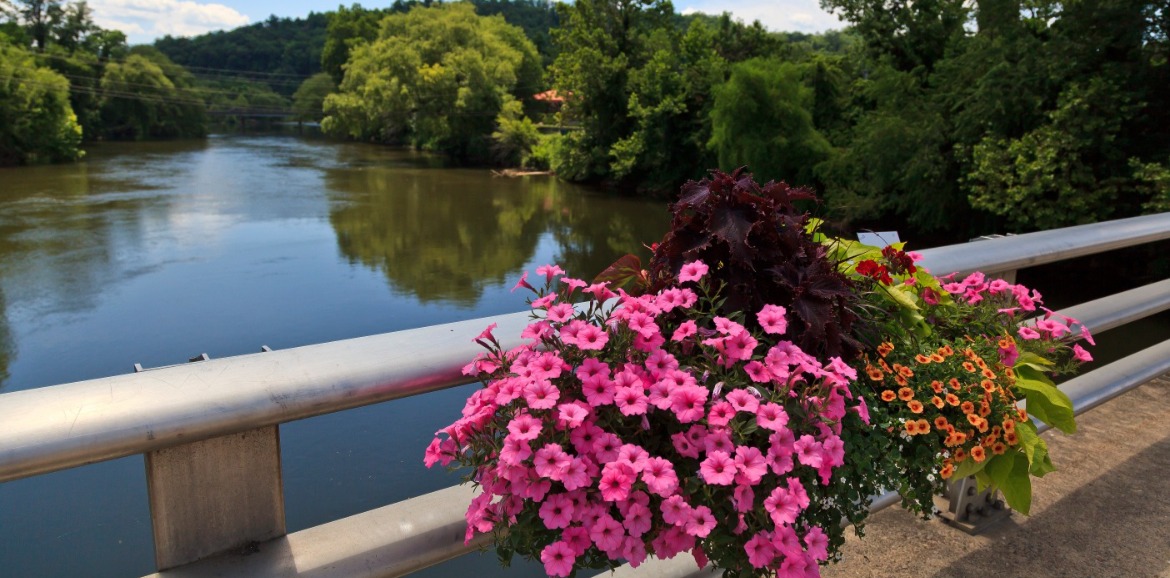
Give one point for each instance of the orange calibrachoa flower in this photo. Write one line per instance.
(904, 371)
(987, 385)
(1011, 438)
(960, 455)
(984, 409)
(938, 402)
(1009, 425)
(936, 386)
(922, 359)
(998, 448)
(969, 367)
(885, 349)
(874, 373)
(937, 357)
(889, 395)
(911, 427)
(923, 426)
(885, 366)
(941, 422)
(947, 470)
(915, 406)
(905, 394)
(901, 380)
(954, 383)
(978, 454)
(974, 419)
(988, 373)
(947, 350)
(952, 399)
(967, 407)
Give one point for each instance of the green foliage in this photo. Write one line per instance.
(36, 122)
(515, 136)
(148, 96)
(279, 51)
(347, 28)
(762, 118)
(536, 17)
(436, 78)
(309, 99)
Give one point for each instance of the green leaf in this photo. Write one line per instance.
(1010, 474)
(1034, 449)
(1045, 401)
(968, 467)
(902, 297)
(1029, 359)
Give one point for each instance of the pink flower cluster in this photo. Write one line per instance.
(1051, 326)
(597, 423)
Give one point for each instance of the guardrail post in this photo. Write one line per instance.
(968, 509)
(215, 495)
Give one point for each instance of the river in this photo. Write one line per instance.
(153, 253)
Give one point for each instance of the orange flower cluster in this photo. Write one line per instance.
(964, 402)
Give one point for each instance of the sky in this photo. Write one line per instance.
(145, 20)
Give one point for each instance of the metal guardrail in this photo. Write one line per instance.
(246, 397)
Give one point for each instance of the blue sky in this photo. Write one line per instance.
(145, 20)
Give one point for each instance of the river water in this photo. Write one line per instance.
(153, 253)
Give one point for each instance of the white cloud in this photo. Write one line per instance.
(145, 20)
(779, 16)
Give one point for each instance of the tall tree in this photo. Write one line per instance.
(436, 78)
(36, 122)
(599, 42)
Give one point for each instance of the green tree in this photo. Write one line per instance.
(36, 121)
(599, 43)
(309, 99)
(148, 96)
(435, 78)
(763, 119)
(347, 28)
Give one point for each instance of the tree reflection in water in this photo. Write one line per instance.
(445, 235)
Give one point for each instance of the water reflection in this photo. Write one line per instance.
(446, 235)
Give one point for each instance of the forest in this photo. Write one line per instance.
(938, 117)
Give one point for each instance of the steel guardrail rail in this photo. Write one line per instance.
(63, 426)
(1031, 249)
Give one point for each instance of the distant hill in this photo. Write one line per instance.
(280, 52)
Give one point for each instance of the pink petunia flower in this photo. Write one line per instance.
(781, 506)
(525, 427)
(575, 475)
(631, 400)
(689, 402)
(551, 461)
(541, 395)
(1080, 354)
(561, 312)
(701, 523)
(772, 319)
(592, 337)
(637, 520)
(720, 414)
(685, 330)
(607, 533)
(549, 272)
(616, 481)
(675, 510)
(556, 512)
(692, 271)
(758, 372)
(818, 544)
(1086, 335)
(523, 282)
(659, 476)
(750, 464)
(809, 451)
(760, 551)
(772, 416)
(743, 401)
(1029, 333)
(515, 451)
(718, 469)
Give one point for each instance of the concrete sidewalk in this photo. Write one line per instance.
(1104, 513)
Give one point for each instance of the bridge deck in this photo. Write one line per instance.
(1104, 511)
